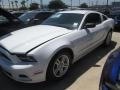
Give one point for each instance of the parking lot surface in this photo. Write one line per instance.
(83, 75)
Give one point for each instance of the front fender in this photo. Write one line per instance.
(44, 53)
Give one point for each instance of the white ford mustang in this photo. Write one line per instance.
(46, 51)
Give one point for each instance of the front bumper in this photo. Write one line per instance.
(26, 73)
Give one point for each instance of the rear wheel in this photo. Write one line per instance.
(107, 41)
(59, 66)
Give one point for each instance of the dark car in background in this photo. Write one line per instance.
(116, 16)
(31, 18)
(17, 13)
(9, 23)
(110, 79)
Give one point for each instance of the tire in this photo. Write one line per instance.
(108, 40)
(56, 64)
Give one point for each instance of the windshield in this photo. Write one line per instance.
(66, 20)
(27, 17)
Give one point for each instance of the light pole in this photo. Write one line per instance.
(96, 2)
(114, 4)
(2, 3)
(107, 3)
(9, 4)
(71, 4)
(79, 2)
(27, 2)
(41, 4)
(31, 1)
(89, 3)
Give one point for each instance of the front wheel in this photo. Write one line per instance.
(59, 66)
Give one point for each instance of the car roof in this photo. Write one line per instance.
(80, 11)
(18, 12)
(36, 11)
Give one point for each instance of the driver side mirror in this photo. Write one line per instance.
(89, 25)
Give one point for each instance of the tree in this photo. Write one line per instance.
(9, 3)
(56, 4)
(34, 6)
(16, 3)
(12, 3)
(83, 5)
(23, 8)
(23, 3)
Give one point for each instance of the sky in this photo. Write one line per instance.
(68, 2)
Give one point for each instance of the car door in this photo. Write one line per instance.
(87, 38)
(95, 33)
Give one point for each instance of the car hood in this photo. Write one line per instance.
(23, 40)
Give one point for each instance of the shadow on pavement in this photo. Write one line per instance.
(117, 29)
(75, 72)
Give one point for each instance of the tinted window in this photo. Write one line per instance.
(42, 16)
(3, 19)
(17, 14)
(27, 17)
(66, 20)
(93, 18)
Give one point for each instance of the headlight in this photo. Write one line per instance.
(25, 58)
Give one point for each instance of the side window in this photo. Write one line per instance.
(93, 18)
(39, 18)
(104, 18)
(42, 16)
(3, 20)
